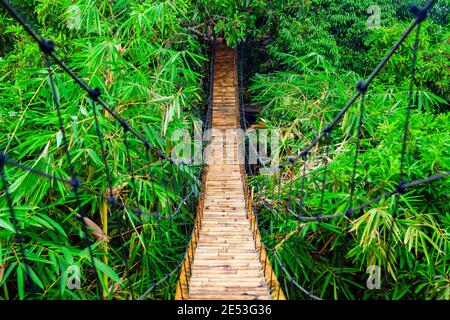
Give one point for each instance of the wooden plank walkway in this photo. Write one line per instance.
(225, 262)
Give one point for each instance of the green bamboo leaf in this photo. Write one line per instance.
(94, 156)
(35, 278)
(52, 223)
(8, 271)
(107, 270)
(7, 225)
(20, 281)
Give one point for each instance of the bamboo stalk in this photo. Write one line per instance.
(105, 245)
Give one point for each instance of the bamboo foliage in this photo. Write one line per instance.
(150, 72)
(303, 59)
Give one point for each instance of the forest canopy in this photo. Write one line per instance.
(301, 61)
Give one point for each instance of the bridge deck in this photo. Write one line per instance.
(226, 263)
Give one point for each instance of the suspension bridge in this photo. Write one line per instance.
(226, 257)
(226, 260)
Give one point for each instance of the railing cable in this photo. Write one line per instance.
(419, 15)
(47, 48)
(5, 188)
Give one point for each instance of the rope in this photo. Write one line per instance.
(292, 280)
(361, 86)
(113, 202)
(12, 214)
(398, 190)
(48, 49)
(109, 178)
(421, 14)
(196, 232)
(155, 284)
(75, 186)
(404, 145)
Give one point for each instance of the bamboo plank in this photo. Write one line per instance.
(226, 264)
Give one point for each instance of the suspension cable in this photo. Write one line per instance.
(403, 152)
(48, 49)
(5, 188)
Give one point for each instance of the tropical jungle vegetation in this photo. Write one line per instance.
(301, 60)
